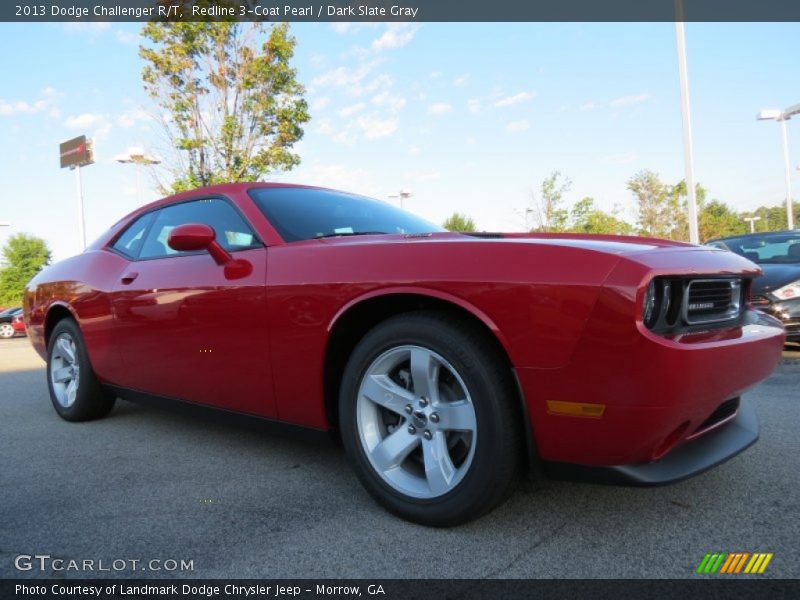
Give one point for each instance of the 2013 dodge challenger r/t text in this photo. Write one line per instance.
(447, 363)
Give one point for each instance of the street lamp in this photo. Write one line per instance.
(137, 156)
(402, 194)
(752, 221)
(782, 116)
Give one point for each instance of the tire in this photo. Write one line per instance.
(441, 448)
(76, 393)
(6, 331)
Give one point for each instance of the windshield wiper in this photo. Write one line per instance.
(319, 236)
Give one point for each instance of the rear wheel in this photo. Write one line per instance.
(6, 330)
(74, 390)
(428, 419)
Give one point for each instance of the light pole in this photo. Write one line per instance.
(688, 152)
(402, 195)
(137, 156)
(782, 116)
(752, 221)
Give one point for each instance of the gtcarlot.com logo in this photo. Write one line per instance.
(732, 563)
(46, 562)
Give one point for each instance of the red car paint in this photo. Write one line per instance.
(18, 323)
(566, 309)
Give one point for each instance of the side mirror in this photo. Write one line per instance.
(194, 236)
(199, 236)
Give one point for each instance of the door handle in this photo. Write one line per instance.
(129, 277)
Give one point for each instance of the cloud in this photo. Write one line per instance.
(396, 35)
(474, 105)
(45, 104)
(422, 176)
(354, 80)
(374, 126)
(349, 111)
(83, 121)
(131, 117)
(619, 159)
(126, 37)
(320, 103)
(91, 27)
(518, 126)
(461, 80)
(629, 100)
(515, 99)
(388, 100)
(440, 108)
(587, 106)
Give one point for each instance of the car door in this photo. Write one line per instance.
(188, 328)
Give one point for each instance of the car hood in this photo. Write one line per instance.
(775, 276)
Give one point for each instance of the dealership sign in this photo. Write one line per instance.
(77, 152)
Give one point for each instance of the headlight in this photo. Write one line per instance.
(788, 292)
(649, 312)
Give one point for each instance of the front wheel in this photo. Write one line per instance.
(74, 390)
(6, 330)
(428, 418)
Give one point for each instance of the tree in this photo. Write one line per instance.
(717, 219)
(655, 207)
(24, 256)
(551, 214)
(459, 222)
(585, 217)
(232, 107)
(773, 218)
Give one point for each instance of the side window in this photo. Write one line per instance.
(233, 233)
(130, 242)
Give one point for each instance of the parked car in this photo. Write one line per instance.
(18, 323)
(777, 291)
(447, 363)
(7, 327)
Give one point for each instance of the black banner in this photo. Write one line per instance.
(400, 10)
(393, 589)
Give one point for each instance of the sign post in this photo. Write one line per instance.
(76, 153)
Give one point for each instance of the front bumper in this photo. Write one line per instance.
(788, 313)
(689, 459)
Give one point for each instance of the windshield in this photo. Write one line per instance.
(767, 249)
(306, 213)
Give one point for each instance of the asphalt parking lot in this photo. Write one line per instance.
(148, 484)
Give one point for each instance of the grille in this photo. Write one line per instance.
(724, 411)
(712, 300)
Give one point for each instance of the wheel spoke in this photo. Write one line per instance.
(456, 416)
(439, 468)
(381, 390)
(424, 374)
(394, 449)
(71, 390)
(66, 349)
(62, 375)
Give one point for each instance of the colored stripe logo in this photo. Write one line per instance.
(730, 563)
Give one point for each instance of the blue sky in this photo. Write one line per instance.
(470, 117)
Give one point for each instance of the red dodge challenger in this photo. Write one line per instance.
(447, 363)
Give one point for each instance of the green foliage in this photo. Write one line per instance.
(552, 215)
(586, 218)
(658, 206)
(773, 218)
(459, 222)
(23, 256)
(231, 103)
